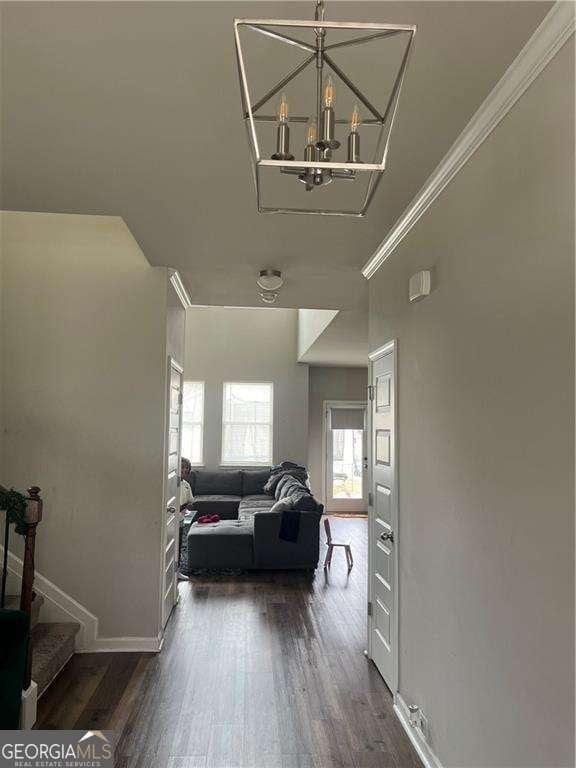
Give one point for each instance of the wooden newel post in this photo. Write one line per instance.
(32, 518)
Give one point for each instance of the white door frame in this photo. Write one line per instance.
(390, 346)
(326, 406)
(172, 363)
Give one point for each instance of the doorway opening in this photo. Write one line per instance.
(345, 457)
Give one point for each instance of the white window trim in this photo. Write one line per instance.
(196, 381)
(223, 462)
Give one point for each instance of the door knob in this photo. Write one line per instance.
(171, 510)
(388, 536)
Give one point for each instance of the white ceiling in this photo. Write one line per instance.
(133, 109)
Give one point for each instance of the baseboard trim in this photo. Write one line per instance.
(555, 29)
(425, 754)
(88, 632)
(125, 644)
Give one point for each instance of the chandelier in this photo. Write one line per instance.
(329, 149)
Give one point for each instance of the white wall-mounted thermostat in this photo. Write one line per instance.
(419, 285)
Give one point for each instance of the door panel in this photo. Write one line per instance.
(383, 542)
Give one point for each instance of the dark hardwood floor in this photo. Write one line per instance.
(262, 671)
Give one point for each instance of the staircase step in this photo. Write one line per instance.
(52, 648)
(13, 604)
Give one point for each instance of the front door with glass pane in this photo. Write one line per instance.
(345, 457)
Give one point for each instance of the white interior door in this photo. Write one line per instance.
(172, 489)
(345, 461)
(383, 565)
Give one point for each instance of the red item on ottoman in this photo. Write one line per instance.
(208, 519)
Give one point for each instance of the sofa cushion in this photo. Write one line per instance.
(258, 500)
(254, 481)
(227, 544)
(247, 513)
(224, 482)
(252, 504)
(217, 504)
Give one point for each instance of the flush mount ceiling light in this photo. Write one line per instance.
(320, 165)
(270, 281)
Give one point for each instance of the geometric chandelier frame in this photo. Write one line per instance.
(319, 57)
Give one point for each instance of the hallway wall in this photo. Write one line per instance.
(84, 341)
(486, 427)
(328, 383)
(247, 344)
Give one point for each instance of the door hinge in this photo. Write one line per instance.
(370, 499)
(369, 609)
(180, 398)
(370, 391)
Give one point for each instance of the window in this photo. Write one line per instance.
(193, 421)
(247, 423)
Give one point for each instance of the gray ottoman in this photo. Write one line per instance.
(227, 544)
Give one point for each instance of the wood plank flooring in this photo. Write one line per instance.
(264, 670)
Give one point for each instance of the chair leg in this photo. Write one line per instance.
(349, 557)
(328, 558)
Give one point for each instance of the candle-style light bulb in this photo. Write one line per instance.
(310, 153)
(354, 137)
(282, 111)
(328, 119)
(328, 92)
(283, 132)
(311, 133)
(355, 119)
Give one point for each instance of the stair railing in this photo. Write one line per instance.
(32, 517)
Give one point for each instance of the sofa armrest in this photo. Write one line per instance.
(271, 551)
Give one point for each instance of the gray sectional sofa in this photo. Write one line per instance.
(268, 520)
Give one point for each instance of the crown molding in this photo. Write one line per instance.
(548, 38)
(180, 288)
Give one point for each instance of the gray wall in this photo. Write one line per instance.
(228, 344)
(486, 388)
(84, 340)
(328, 384)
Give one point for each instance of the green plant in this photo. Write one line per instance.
(14, 503)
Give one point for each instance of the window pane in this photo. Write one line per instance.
(192, 420)
(193, 400)
(347, 463)
(248, 403)
(247, 423)
(192, 443)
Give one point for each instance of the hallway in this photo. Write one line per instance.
(258, 671)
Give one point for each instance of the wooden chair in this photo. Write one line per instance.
(331, 544)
